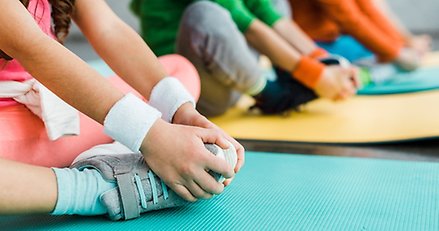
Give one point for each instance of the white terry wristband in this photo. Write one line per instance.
(129, 120)
(168, 95)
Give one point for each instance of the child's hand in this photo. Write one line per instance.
(176, 153)
(421, 44)
(408, 59)
(337, 83)
(187, 115)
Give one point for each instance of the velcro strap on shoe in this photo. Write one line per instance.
(127, 194)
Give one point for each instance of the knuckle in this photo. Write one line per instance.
(207, 157)
(186, 170)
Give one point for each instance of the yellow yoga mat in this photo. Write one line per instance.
(431, 60)
(362, 119)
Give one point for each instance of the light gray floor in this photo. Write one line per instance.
(419, 15)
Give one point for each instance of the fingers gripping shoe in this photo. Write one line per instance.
(287, 93)
(138, 189)
(227, 154)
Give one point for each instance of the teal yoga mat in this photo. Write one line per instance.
(423, 79)
(292, 192)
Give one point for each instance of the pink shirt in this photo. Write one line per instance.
(13, 70)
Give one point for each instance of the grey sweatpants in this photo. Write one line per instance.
(228, 67)
(212, 42)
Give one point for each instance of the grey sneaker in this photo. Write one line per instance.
(139, 189)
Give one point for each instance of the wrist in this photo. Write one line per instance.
(183, 113)
(168, 96)
(318, 53)
(156, 129)
(308, 71)
(129, 121)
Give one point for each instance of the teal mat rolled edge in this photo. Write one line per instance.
(423, 79)
(292, 192)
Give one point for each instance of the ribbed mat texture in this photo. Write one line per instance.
(292, 192)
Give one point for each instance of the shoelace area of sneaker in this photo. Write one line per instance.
(152, 182)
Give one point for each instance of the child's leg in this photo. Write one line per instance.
(211, 41)
(135, 188)
(26, 189)
(23, 138)
(31, 189)
(105, 179)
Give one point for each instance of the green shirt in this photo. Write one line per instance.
(160, 19)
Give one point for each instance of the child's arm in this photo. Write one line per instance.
(128, 55)
(421, 43)
(119, 45)
(308, 71)
(330, 82)
(265, 11)
(131, 58)
(353, 17)
(295, 36)
(181, 164)
(53, 65)
(269, 43)
(353, 21)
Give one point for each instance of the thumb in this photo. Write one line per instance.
(355, 77)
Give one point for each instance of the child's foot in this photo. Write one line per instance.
(378, 74)
(136, 188)
(286, 93)
(372, 72)
(282, 94)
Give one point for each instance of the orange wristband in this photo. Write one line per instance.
(318, 53)
(308, 71)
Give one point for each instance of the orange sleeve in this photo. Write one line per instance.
(348, 15)
(380, 20)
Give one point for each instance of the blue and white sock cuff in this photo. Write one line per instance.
(129, 120)
(168, 95)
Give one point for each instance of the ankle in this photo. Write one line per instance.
(79, 192)
(258, 87)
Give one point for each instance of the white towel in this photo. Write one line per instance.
(60, 119)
